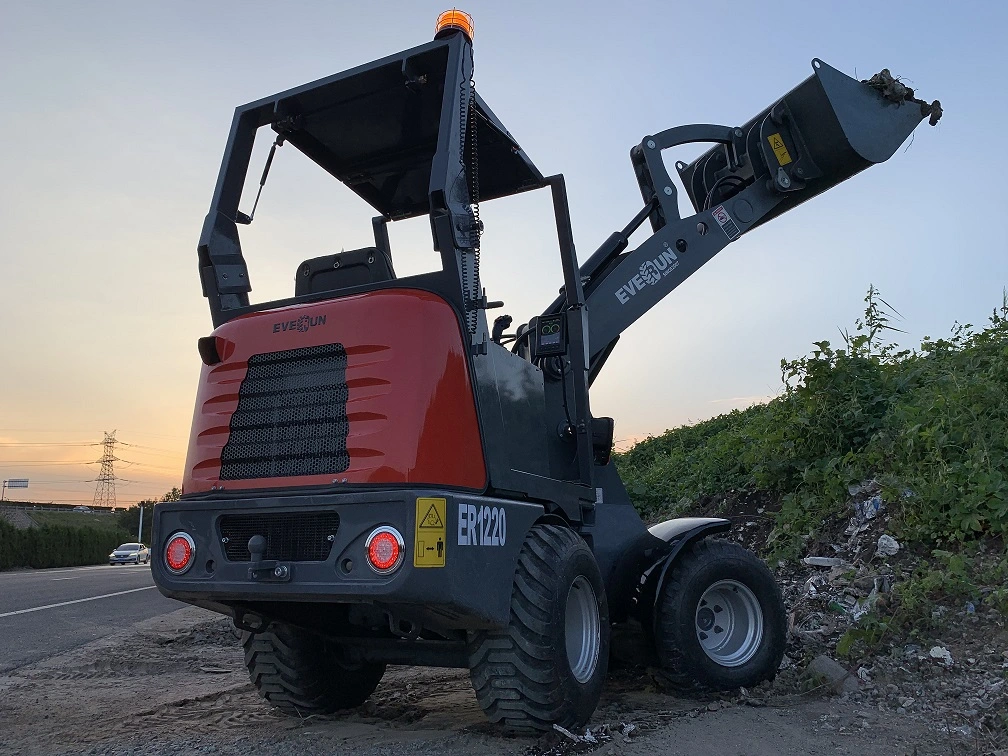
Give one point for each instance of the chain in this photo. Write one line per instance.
(467, 118)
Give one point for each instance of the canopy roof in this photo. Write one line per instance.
(377, 127)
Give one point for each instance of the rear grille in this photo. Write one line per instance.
(291, 417)
(290, 536)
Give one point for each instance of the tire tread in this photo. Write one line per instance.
(683, 671)
(296, 672)
(514, 671)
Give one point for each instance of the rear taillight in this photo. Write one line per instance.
(179, 553)
(385, 549)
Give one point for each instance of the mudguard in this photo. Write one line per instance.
(677, 534)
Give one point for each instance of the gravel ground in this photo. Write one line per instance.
(176, 684)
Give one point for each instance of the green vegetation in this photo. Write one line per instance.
(70, 539)
(56, 545)
(930, 424)
(103, 521)
(129, 519)
(945, 579)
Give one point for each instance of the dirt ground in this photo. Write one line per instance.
(176, 684)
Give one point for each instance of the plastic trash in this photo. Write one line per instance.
(942, 654)
(567, 733)
(861, 608)
(887, 546)
(813, 561)
(869, 508)
(864, 509)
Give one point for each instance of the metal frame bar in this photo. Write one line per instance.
(577, 332)
(223, 270)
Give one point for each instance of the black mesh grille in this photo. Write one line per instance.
(290, 536)
(291, 417)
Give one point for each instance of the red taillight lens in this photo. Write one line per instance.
(384, 550)
(179, 552)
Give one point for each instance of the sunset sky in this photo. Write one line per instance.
(115, 116)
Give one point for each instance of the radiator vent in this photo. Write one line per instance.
(291, 418)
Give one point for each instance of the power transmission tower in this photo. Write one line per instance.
(105, 493)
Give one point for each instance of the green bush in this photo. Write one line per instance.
(56, 546)
(128, 520)
(71, 539)
(690, 462)
(931, 425)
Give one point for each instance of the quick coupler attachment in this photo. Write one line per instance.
(822, 132)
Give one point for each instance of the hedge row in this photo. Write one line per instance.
(56, 546)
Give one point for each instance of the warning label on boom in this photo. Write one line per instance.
(779, 149)
(430, 533)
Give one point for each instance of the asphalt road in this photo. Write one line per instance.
(43, 612)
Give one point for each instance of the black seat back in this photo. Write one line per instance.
(340, 271)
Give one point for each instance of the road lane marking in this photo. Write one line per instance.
(60, 571)
(43, 572)
(75, 601)
(69, 578)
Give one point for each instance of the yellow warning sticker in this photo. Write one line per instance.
(779, 149)
(430, 533)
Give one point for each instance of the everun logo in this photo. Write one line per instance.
(651, 272)
(302, 324)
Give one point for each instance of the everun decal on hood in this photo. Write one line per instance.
(651, 272)
(302, 324)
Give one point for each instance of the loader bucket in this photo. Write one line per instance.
(822, 132)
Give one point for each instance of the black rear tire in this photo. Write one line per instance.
(303, 674)
(753, 613)
(525, 676)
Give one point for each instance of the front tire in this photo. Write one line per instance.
(548, 666)
(303, 674)
(720, 617)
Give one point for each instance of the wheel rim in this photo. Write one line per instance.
(582, 629)
(729, 623)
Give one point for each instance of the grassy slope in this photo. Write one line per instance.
(931, 425)
(77, 520)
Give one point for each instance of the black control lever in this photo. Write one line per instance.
(501, 324)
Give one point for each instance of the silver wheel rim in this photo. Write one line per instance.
(729, 623)
(582, 629)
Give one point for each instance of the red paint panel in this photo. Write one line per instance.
(410, 405)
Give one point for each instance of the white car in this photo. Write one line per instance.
(130, 553)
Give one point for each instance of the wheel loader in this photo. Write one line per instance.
(379, 474)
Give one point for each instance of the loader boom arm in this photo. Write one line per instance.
(644, 276)
(824, 131)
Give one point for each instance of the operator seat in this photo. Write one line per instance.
(357, 267)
